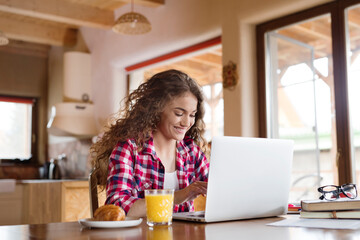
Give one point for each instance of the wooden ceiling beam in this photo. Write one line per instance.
(189, 63)
(38, 33)
(147, 3)
(320, 29)
(301, 32)
(115, 4)
(354, 17)
(217, 51)
(213, 60)
(107, 5)
(61, 11)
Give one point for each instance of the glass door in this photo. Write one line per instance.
(353, 60)
(299, 89)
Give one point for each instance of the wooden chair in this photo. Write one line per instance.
(93, 192)
(97, 197)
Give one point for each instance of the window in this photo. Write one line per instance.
(306, 93)
(16, 128)
(214, 110)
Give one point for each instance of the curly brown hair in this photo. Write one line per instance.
(140, 116)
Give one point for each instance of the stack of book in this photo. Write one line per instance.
(341, 208)
(294, 208)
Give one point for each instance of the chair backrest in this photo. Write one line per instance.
(93, 192)
(97, 194)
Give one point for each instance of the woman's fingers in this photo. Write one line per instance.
(198, 188)
(191, 192)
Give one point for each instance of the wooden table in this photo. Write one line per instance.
(244, 229)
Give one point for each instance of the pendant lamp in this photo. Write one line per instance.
(132, 23)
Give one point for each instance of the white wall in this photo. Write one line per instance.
(179, 24)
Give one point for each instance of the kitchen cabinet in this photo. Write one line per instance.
(55, 201)
(45, 201)
(11, 206)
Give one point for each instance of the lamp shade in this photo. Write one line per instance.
(132, 23)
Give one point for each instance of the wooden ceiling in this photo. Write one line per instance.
(205, 68)
(55, 22)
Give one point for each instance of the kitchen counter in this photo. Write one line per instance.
(44, 201)
(50, 180)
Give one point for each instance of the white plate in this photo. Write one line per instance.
(128, 222)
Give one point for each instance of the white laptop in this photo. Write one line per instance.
(248, 178)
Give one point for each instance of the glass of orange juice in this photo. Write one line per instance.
(159, 206)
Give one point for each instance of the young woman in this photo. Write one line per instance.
(155, 143)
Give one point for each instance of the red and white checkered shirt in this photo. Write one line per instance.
(131, 172)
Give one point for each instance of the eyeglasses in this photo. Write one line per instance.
(333, 192)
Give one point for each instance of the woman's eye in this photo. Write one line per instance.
(193, 115)
(178, 114)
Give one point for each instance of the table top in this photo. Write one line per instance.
(242, 229)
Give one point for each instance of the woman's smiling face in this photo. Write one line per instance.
(178, 117)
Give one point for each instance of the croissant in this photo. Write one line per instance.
(109, 213)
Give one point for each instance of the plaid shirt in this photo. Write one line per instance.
(131, 172)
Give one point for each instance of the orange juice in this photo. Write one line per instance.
(159, 206)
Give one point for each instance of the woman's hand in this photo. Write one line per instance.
(138, 209)
(190, 192)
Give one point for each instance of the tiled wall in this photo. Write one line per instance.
(77, 162)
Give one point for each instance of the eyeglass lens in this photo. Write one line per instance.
(330, 192)
(349, 190)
